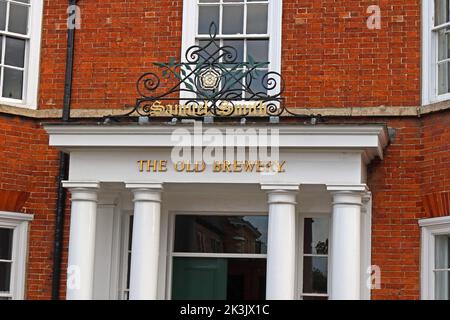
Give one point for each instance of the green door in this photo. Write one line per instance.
(199, 279)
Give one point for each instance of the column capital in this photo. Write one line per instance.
(281, 193)
(348, 194)
(81, 184)
(146, 192)
(348, 188)
(82, 190)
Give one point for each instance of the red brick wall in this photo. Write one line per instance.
(329, 56)
(118, 41)
(396, 188)
(28, 164)
(436, 165)
(415, 165)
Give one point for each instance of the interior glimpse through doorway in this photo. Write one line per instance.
(218, 257)
(218, 279)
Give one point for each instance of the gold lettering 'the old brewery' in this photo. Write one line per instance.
(226, 166)
(152, 165)
(249, 166)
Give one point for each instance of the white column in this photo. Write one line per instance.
(346, 242)
(280, 284)
(145, 241)
(80, 271)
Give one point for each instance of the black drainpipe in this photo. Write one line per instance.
(63, 166)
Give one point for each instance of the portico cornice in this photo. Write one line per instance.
(368, 139)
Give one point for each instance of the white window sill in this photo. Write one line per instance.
(16, 104)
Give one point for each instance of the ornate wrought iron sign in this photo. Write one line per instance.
(211, 82)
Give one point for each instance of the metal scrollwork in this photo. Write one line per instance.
(211, 81)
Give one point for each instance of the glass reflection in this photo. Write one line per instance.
(315, 275)
(442, 252)
(442, 285)
(218, 279)
(316, 236)
(221, 234)
(5, 276)
(6, 239)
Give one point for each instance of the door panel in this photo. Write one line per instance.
(199, 279)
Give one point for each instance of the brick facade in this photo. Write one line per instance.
(329, 56)
(330, 59)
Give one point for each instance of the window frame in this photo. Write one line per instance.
(123, 290)
(274, 31)
(171, 244)
(32, 59)
(430, 229)
(300, 242)
(430, 93)
(19, 223)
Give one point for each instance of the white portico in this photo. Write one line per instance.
(320, 173)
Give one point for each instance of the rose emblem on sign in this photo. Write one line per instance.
(209, 80)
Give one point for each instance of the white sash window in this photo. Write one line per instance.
(252, 27)
(435, 258)
(20, 34)
(13, 254)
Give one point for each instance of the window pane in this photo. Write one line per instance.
(220, 234)
(258, 50)
(206, 15)
(257, 84)
(208, 1)
(2, 15)
(12, 84)
(130, 233)
(443, 44)
(15, 52)
(233, 20)
(315, 275)
(442, 285)
(23, 1)
(233, 84)
(5, 276)
(257, 19)
(442, 252)
(212, 51)
(6, 243)
(443, 78)
(315, 239)
(239, 46)
(18, 18)
(441, 11)
(218, 279)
